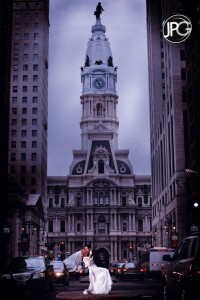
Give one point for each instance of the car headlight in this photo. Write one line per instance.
(6, 276)
(58, 274)
(38, 275)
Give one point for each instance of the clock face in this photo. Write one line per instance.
(98, 83)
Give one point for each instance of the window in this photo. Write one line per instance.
(23, 133)
(13, 156)
(24, 110)
(62, 226)
(16, 36)
(15, 67)
(124, 226)
(35, 67)
(34, 100)
(36, 25)
(24, 99)
(16, 56)
(62, 202)
(23, 169)
(34, 121)
(16, 46)
(50, 226)
(101, 224)
(25, 57)
(33, 169)
(34, 144)
(23, 144)
(24, 89)
(35, 78)
(25, 67)
(14, 110)
(24, 122)
(36, 36)
(13, 144)
(14, 133)
(35, 46)
(25, 78)
(35, 89)
(34, 110)
(50, 202)
(33, 181)
(35, 57)
(14, 122)
(25, 46)
(33, 156)
(12, 169)
(14, 89)
(78, 227)
(140, 202)
(15, 78)
(123, 201)
(101, 202)
(140, 225)
(23, 156)
(14, 99)
(34, 132)
(26, 26)
(26, 36)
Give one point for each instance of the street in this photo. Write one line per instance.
(148, 288)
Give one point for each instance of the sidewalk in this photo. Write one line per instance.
(114, 294)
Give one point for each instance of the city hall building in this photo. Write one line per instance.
(101, 201)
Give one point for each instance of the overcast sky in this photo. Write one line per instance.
(70, 30)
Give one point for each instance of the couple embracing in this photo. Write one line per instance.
(100, 281)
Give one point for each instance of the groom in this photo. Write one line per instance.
(96, 258)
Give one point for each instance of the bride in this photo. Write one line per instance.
(100, 281)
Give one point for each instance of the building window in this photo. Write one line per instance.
(23, 133)
(24, 99)
(25, 67)
(35, 67)
(78, 201)
(14, 89)
(26, 36)
(101, 224)
(12, 169)
(23, 144)
(16, 36)
(33, 169)
(24, 89)
(34, 132)
(13, 156)
(14, 133)
(124, 226)
(34, 110)
(34, 144)
(26, 46)
(24, 122)
(14, 99)
(50, 226)
(78, 227)
(25, 57)
(95, 199)
(15, 78)
(34, 100)
(25, 78)
(34, 122)
(140, 225)
(140, 202)
(33, 181)
(62, 226)
(23, 169)
(101, 199)
(35, 57)
(36, 36)
(15, 67)
(35, 46)
(62, 202)
(14, 110)
(14, 122)
(13, 144)
(50, 202)
(16, 56)
(33, 156)
(23, 156)
(123, 201)
(35, 89)
(35, 78)
(24, 110)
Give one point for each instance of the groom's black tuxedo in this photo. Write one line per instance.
(98, 261)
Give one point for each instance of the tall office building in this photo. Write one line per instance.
(101, 201)
(28, 97)
(168, 128)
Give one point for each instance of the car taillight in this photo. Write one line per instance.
(124, 269)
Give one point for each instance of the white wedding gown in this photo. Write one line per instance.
(99, 278)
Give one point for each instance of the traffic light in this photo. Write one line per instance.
(130, 248)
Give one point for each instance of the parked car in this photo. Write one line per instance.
(118, 268)
(61, 273)
(181, 275)
(112, 268)
(29, 273)
(131, 270)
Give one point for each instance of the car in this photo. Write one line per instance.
(73, 275)
(29, 273)
(181, 274)
(61, 273)
(131, 270)
(118, 268)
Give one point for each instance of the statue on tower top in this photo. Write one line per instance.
(98, 10)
